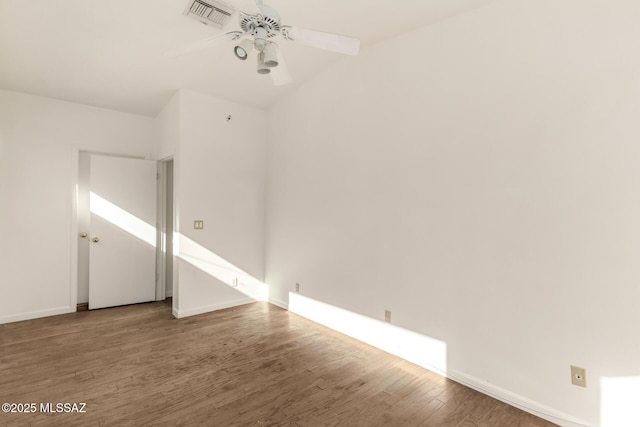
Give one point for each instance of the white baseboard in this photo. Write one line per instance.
(520, 402)
(407, 344)
(37, 314)
(279, 303)
(209, 308)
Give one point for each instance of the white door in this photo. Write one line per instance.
(122, 256)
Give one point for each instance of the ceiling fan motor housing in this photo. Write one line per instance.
(268, 19)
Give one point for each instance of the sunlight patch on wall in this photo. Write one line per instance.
(221, 269)
(420, 349)
(619, 401)
(122, 219)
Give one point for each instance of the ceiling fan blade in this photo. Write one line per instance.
(280, 75)
(205, 43)
(321, 40)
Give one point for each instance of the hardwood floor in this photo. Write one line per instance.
(254, 365)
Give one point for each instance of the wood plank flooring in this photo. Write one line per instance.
(254, 365)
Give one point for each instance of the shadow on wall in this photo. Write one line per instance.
(122, 219)
(184, 248)
(219, 268)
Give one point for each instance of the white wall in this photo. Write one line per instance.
(168, 147)
(478, 178)
(168, 129)
(39, 141)
(220, 173)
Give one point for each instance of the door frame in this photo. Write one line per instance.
(165, 228)
(75, 231)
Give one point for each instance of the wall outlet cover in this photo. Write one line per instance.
(578, 376)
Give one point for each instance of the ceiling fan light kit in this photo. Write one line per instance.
(260, 27)
(262, 67)
(270, 55)
(243, 49)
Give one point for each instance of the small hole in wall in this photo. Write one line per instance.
(229, 117)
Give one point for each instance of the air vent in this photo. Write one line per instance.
(209, 12)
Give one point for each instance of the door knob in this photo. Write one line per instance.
(83, 235)
(95, 240)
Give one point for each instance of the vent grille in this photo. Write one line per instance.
(209, 12)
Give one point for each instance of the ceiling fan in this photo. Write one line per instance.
(259, 28)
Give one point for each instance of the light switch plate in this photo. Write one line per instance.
(198, 224)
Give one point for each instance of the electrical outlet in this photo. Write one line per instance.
(234, 282)
(578, 376)
(387, 316)
(297, 287)
(198, 224)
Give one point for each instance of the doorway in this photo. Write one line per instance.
(166, 226)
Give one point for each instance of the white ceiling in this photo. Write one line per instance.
(111, 53)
